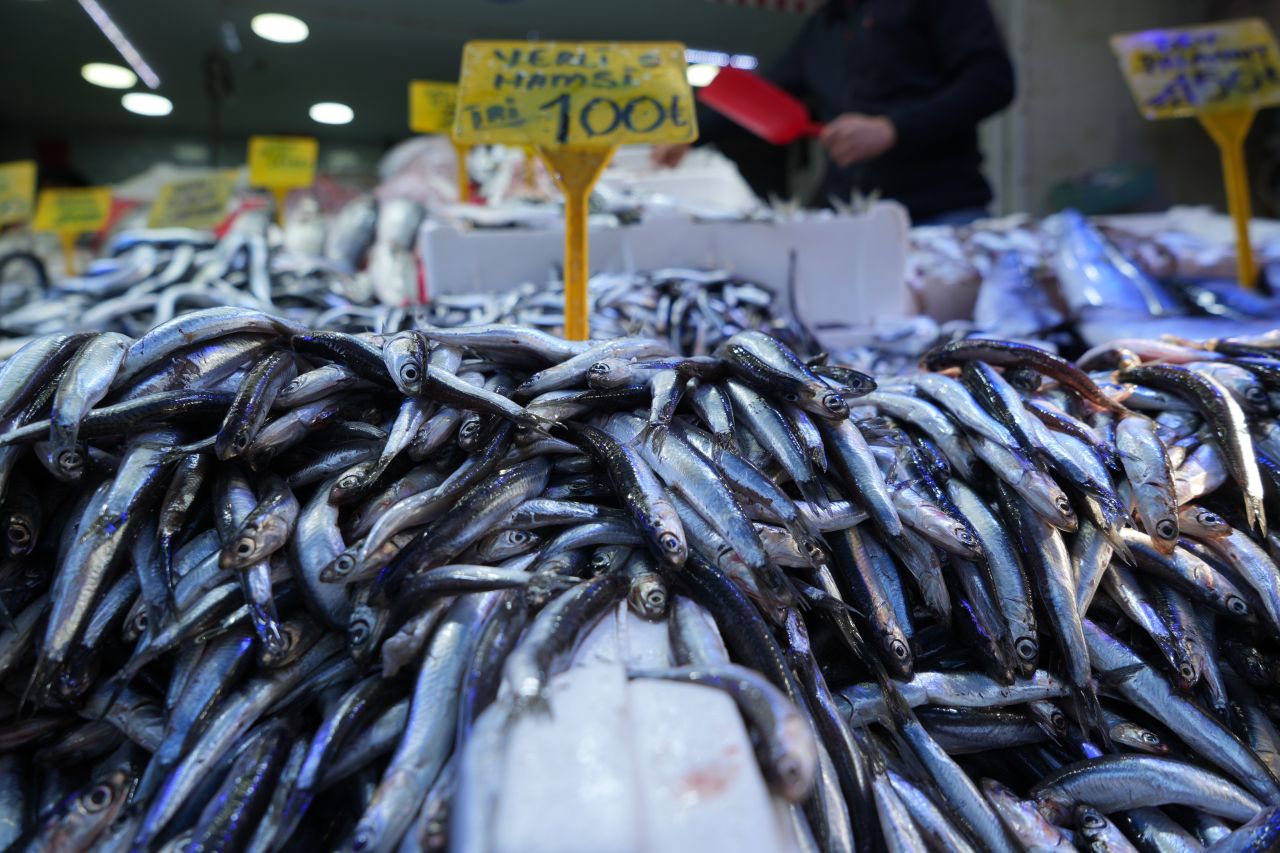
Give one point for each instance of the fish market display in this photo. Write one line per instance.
(271, 586)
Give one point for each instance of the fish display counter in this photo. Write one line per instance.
(286, 568)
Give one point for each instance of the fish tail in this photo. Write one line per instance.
(39, 675)
(1089, 713)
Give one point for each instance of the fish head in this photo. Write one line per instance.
(1027, 648)
(1164, 532)
(648, 596)
(1091, 823)
(364, 631)
(1136, 737)
(91, 810)
(794, 761)
(405, 358)
(1049, 718)
(351, 484)
(68, 463)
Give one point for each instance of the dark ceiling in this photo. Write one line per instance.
(360, 52)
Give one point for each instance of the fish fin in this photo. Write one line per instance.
(1089, 713)
(1256, 514)
(814, 493)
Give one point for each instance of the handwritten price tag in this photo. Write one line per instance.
(556, 94)
(282, 161)
(1176, 73)
(73, 211)
(432, 106)
(17, 190)
(193, 203)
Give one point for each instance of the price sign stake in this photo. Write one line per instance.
(70, 213)
(17, 191)
(1220, 74)
(575, 102)
(282, 163)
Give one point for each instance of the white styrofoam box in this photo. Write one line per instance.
(847, 270)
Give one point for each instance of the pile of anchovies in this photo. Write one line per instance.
(263, 583)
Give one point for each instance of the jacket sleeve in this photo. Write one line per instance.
(979, 74)
(787, 73)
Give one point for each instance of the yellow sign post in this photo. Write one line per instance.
(17, 191)
(1221, 74)
(574, 102)
(199, 203)
(70, 213)
(432, 107)
(282, 163)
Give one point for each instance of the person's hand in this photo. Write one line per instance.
(854, 138)
(668, 156)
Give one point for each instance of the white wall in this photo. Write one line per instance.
(1074, 114)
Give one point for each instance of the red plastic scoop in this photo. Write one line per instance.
(759, 106)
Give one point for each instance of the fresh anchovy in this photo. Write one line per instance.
(1224, 417)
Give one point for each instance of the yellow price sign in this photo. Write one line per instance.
(1178, 73)
(192, 203)
(432, 106)
(558, 94)
(17, 190)
(73, 211)
(282, 162)
(1221, 74)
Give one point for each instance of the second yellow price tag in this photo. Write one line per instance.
(432, 105)
(73, 211)
(192, 203)
(282, 161)
(17, 191)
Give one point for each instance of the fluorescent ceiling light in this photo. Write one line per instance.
(701, 74)
(108, 76)
(147, 104)
(120, 43)
(328, 112)
(695, 56)
(285, 29)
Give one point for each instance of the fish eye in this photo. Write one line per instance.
(1026, 648)
(409, 373)
(834, 403)
(599, 368)
(1187, 671)
(140, 621)
(1149, 737)
(899, 649)
(18, 534)
(669, 542)
(470, 427)
(965, 537)
(359, 632)
(656, 599)
(244, 547)
(790, 397)
(98, 798)
(1092, 820)
(1167, 529)
(519, 537)
(350, 481)
(241, 441)
(1237, 605)
(70, 460)
(1210, 519)
(1063, 505)
(294, 385)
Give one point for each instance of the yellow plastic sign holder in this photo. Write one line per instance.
(1220, 73)
(17, 191)
(575, 103)
(280, 164)
(70, 213)
(432, 107)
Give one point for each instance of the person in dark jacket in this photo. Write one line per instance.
(901, 86)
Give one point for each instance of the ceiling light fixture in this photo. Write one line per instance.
(120, 43)
(108, 76)
(329, 112)
(285, 29)
(694, 56)
(147, 104)
(701, 74)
